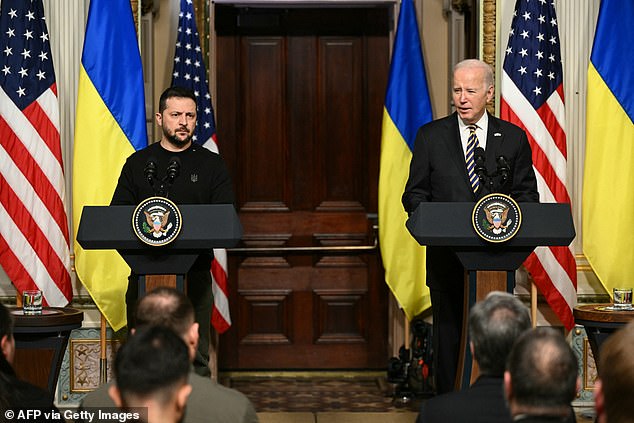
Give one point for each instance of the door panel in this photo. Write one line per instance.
(300, 98)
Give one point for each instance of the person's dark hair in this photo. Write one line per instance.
(171, 92)
(6, 321)
(6, 371)
(494, 325)
(616, 371)
(154, 362)
(543, 369)
(6, 329)
(165, 307)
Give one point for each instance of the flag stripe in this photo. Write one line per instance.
(45, 129)
(47, 205)
(34, 228)
(551, 124)
(221, 317)
(35, 274)
(555, 190)
(554, 297)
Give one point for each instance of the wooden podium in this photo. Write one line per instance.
(204, 227)
(489, 266)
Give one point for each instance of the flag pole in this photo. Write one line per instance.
(103, 360)
(533, 304)
(406, 328)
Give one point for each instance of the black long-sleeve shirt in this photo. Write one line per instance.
(203, 177)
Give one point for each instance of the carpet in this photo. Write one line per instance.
(337, 398)
(314, 394)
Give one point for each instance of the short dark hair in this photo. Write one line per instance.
(495, 323)
(616, 371)
(165, 307)
(154, 362)
(543, 369)
(180, 92)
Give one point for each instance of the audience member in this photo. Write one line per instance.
(541, 377)
(151, 371)
(494, 324)
(615, 385)
(208, 401)
(15, 393)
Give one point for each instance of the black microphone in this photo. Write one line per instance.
(150, 170)
(173, 169)
(480, 167)
(503, 169)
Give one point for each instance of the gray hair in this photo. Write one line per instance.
(476, 63)
(494, 325)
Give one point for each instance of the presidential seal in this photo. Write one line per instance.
(496, 218)
(156, 221)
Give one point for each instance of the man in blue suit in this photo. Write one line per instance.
(440, 171)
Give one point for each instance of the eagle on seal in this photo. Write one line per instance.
(496, 218)
(157, 222)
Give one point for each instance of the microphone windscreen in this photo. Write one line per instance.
(479, 153)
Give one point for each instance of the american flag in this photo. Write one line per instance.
(34, 242)
(533, 98)
(190, 72)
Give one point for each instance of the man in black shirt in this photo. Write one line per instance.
(203, 179)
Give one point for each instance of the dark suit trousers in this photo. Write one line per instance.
(447, 308)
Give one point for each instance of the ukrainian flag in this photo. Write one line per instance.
(608, 185)
(407, 107)
(110, 125)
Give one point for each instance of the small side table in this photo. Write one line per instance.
(40, 342)
(600, 324)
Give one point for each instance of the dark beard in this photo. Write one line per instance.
(175, 141)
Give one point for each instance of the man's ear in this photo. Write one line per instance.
(7, 345)
(181, 396)
(115, 394)
(508, 386)
(193, 333)
(599, 401)
(159, 119)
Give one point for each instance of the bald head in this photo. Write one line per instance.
(541, 372)
(171, 309)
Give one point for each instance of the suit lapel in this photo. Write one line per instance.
(495, 137)
(455, 149)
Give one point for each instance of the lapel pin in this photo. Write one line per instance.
(497, 134)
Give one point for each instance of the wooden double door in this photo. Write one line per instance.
(300, 95)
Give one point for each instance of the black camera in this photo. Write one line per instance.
(411, 371)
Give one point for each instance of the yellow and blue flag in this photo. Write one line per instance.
(407, 107)
(608, 197)
(110, 125)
